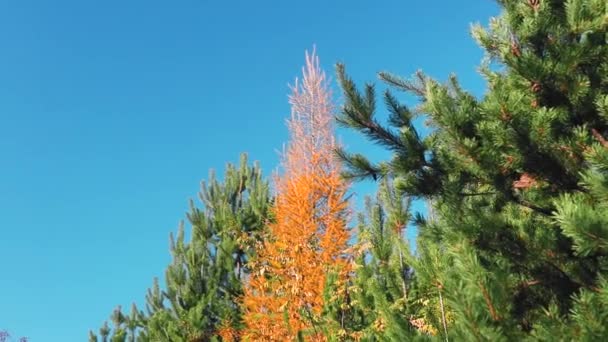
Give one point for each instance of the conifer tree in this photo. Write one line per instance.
(382, 283)
(517, 178)
(306, 243)
(203, 282)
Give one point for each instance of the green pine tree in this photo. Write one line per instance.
(384, 301)
(204, 280)
(518, 179)
(382, 284)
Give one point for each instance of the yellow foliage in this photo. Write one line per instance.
(308, 237)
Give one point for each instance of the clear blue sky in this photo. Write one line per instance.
(112, 112)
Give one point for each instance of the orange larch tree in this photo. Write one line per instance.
(308, 238)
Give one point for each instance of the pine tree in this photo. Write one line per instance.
(204, 280)
(382, 283)
(518, 178)
(305, 248)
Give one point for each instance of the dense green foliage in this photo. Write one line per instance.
(518, 178)
(382, 279)
(204, 280)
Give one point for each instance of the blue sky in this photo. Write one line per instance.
(112, 112)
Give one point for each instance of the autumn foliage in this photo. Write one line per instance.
(308, 237)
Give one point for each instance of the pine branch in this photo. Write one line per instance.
(464, 194)
(486, 297)
(417, 87)
(540, 210)
(599, 137)
(357, 166)
(443, 319)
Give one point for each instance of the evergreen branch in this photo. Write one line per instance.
(443, 319)
(599, 137)
(486, 297)
(524, 203)
(538, 209)
(358, 167)
(529, 283)
(464, 194)
(358, 113)
(417, 87)
(370, 128)
(400, 115)
(402, 273)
